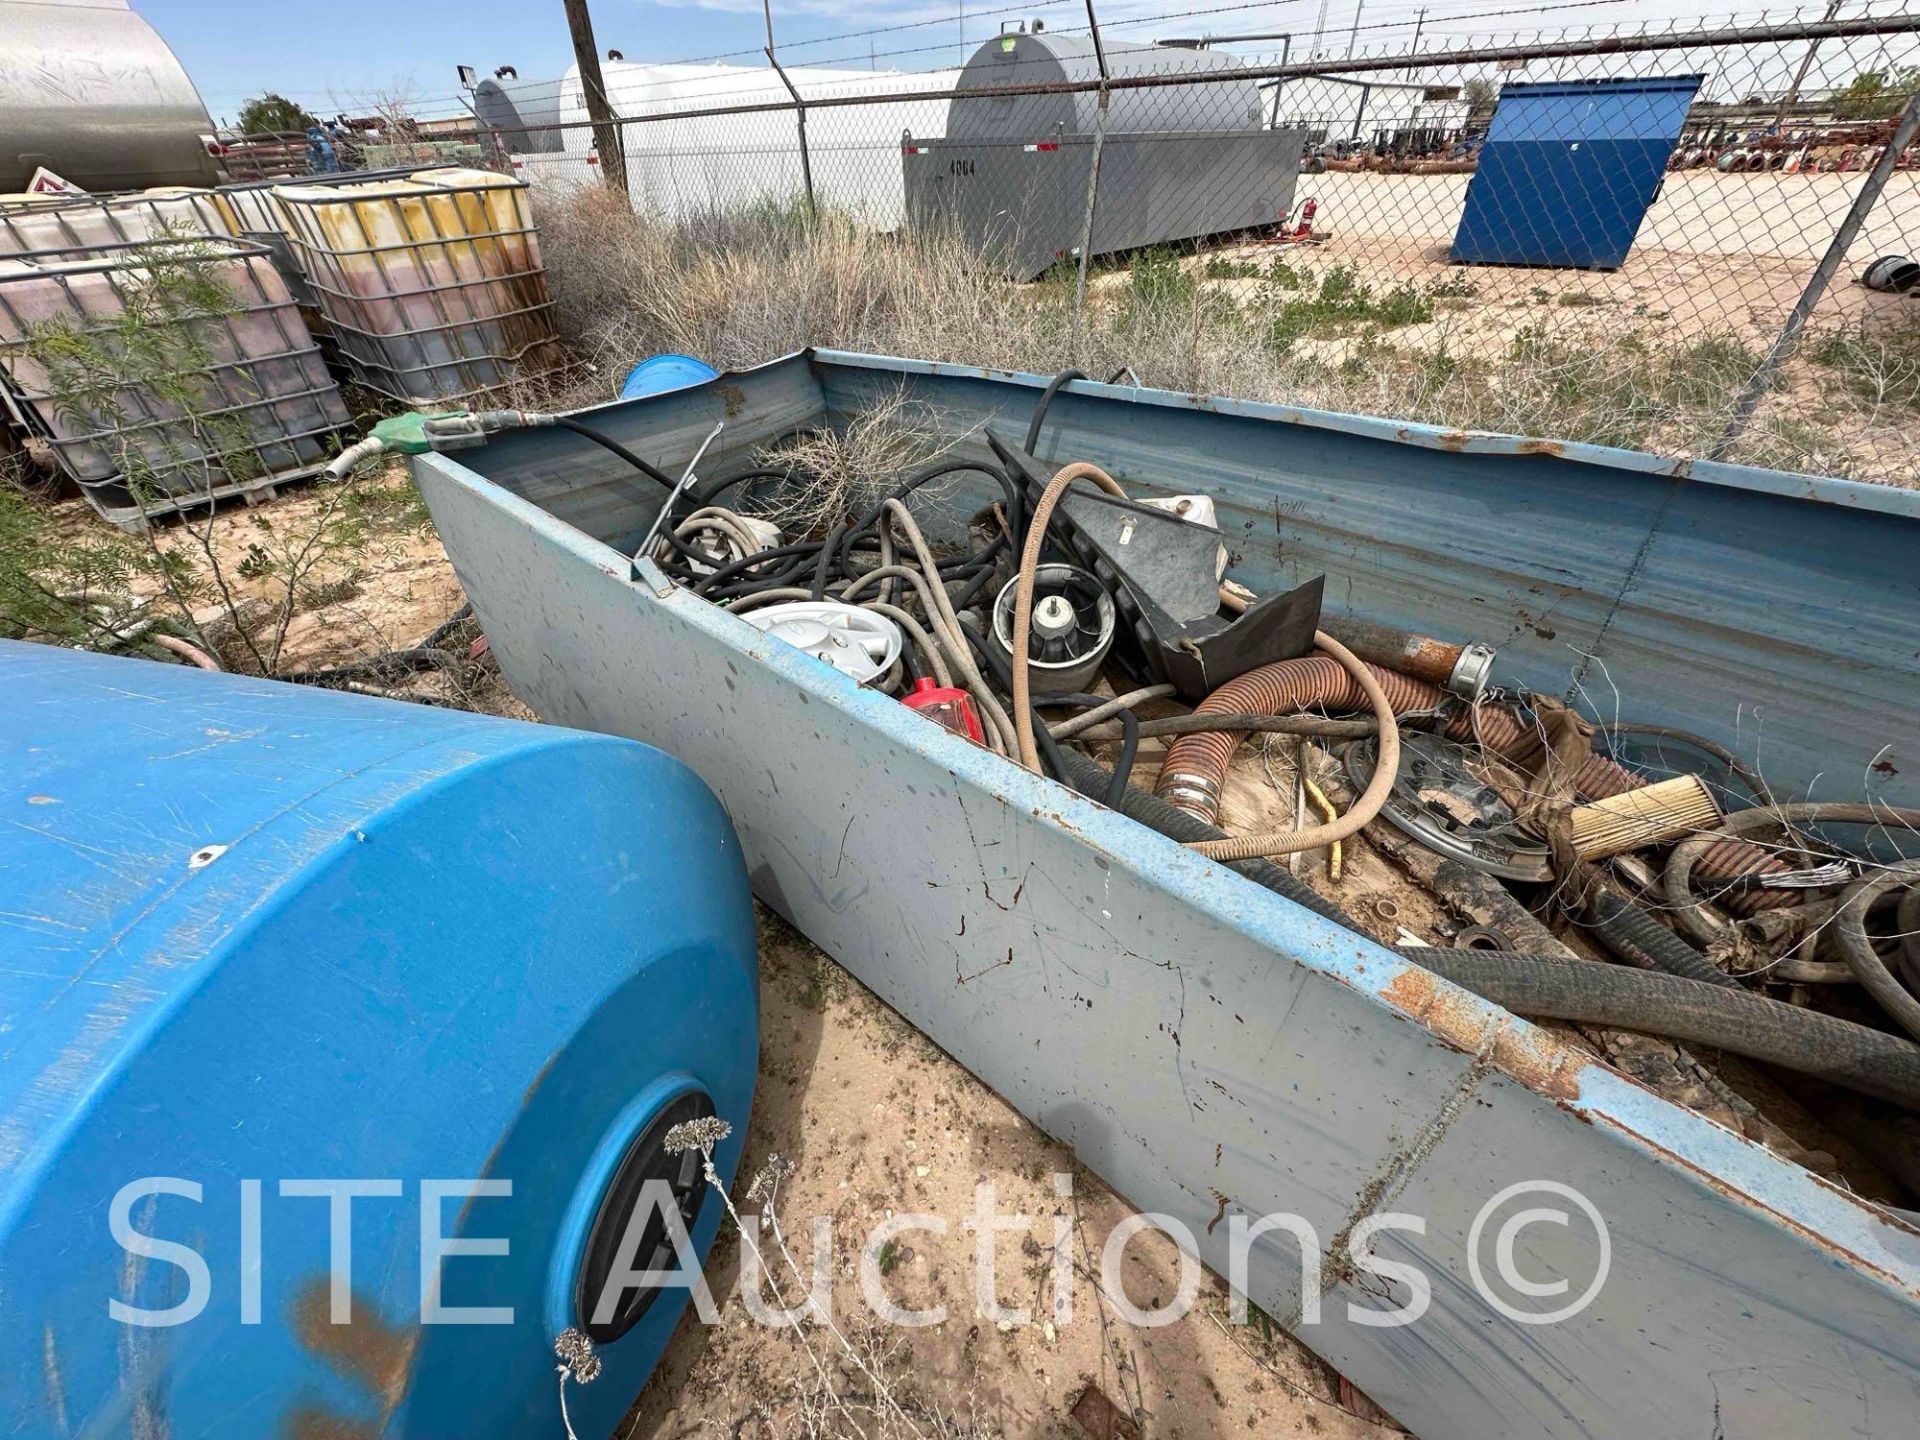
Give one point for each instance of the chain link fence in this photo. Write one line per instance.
(1653, 237)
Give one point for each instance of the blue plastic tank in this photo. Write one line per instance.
(258, 940)
(661, 373)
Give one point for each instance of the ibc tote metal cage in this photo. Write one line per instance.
(432, 284)
(257, 406)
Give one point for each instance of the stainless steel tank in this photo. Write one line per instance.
(88, 90)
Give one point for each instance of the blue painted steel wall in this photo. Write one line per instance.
(1194, 1037)
(436, 946)
(1569, 170)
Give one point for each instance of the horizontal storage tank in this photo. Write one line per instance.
(227, 394)
(262, 941)
(1178, 162)
(1569, 170)
(88, 90)
(682, 164)
(1221, 98)
(520, 111)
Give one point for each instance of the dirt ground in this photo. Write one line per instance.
(877, 1120)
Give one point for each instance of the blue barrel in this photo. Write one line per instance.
(286, 973)
(662, 373)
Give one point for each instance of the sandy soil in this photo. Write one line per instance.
(881, 1122)
(878, 1121)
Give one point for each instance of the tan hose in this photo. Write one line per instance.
(1285, 842)
(1023, 594)
(1195, 766)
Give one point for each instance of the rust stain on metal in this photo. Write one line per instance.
(1542, 447)
(1100, 1418)
(310, 1422)
(1452, 439)
(1456, 1017)
(365, 1349)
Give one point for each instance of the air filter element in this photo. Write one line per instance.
(1072, 628)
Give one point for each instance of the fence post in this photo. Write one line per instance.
(799, 111)
(1093, 169)
(1843, 238)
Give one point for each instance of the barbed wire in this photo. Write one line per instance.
(443, 107)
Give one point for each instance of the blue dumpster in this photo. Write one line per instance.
(1568, 171)
(335, 1036)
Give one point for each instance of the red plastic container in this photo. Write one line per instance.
(945, 705)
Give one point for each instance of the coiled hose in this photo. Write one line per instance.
(1195, 766)
(1725, 857)
(1850, 934)
(1590, 992)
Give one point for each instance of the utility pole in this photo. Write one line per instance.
(606, 134)
(1353, 35)
(1419, 24)
(1319, 30)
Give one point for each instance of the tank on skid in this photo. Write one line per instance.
(1179, 161)
(90, 92)
(265, 945)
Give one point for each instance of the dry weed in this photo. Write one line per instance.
(741, 287)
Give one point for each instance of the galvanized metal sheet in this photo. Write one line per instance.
(1204, 1045)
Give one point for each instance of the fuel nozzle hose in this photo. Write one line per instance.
(1589, 991)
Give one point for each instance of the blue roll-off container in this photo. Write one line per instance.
(1569, 169)
(252, 932)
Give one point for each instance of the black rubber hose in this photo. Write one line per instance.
(1639, 939)
(1850, 935)
(1129, 740)
(1591, 992)
(827, 553)
(1053, 755)
(1009, 490)
(607, 442)
(706, 491)
(1870, 1061)
(1044, 404)
(444, 630)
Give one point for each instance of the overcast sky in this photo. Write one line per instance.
(335, 58)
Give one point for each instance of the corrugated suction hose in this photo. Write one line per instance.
(1195, 767)
(1591, 991)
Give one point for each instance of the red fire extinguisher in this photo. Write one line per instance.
(1302, 230)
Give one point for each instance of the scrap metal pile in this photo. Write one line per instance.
(1531, 855)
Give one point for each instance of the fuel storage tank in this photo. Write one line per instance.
(88, 90)
(335, 1036)
(1179, 160)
